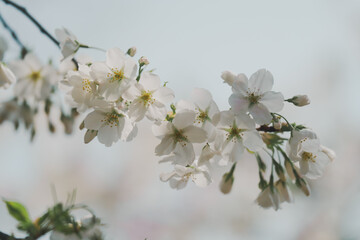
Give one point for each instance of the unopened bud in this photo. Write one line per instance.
(300, 100)
(131, 51)
(304, 187)
(226, 183)
(90, 135)
(289, 169)
(7, 77)
(143, 61)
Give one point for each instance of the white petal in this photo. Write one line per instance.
(240, 84)
(317, 168)
(94, 120)
(201, 179)
(261, 81)
(274, 101)
(184, 119)
(201, 97)
(166, 176)
(164, 95)
(260, 114)
(253, 141)
(163, 129)
(108, 135)
(194, 134)
(115, 58)
(239, 103)
(150, 81)
(166, 146)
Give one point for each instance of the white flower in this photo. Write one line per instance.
(34, 79)
(300, 100)
(3, 47)
(115, 74)
(111, 125)
(148, 98)
(329, 152)
(84, 89)
(254, 96)
(7, 77)
(68, 42)
(180, 132)
(237, 132)
(304, 147)
(204, 107)
(180, 176)
(89, 229)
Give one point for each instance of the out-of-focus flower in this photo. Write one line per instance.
(7, 77)
(148, 98)
(3, 47)
(254, 96)
(68, 42)
(114, 75)
(89, 229)
(269, 197)
(34, 80)
(111, 125)
(180, 176)
(300, 100)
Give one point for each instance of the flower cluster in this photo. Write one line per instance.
(195, 136)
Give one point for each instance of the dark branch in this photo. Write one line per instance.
(12, 32)
(32, 19)
(266, 128)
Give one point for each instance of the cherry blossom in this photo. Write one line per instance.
(34, 80)
(115, 74)
(148, 98)
(111, 125)
(180, 176)
(254, 95)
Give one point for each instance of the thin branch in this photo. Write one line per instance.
(12, 32)
(33, 20)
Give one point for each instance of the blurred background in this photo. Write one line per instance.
(311, 47)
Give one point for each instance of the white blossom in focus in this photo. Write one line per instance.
(304, 147)
(84, 90)
(255, 95)
(7, 77)
(34, 80)
(148, 98)
(111, 125)
(204, 107)
(179, 133)
(115, 74)
(180, 176)
(68, 42)
(237, 132)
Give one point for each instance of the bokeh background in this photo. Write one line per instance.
(311, 47)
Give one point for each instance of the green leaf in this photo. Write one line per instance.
(18, 211)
